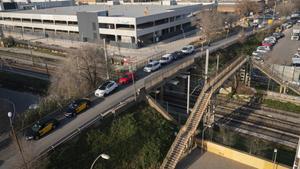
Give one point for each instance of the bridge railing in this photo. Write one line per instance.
(158, 77)
(268, 69)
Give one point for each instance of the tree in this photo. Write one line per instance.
(80, 73)
(285, 9)
(246, 6)
(210, 23)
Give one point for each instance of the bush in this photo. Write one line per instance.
(9, 41)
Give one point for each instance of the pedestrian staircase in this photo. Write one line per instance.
(274, 75)
(187, 131)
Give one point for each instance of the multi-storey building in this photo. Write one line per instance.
(126, 25)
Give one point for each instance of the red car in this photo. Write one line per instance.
(265, 43)
(126, 78)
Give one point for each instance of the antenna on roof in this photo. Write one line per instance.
(146, 11)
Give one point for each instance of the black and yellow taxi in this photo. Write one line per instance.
(77, 106)
(41, 128)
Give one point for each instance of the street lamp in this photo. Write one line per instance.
(10, 115)
(13, 105)
(104, 156)
(275, 156)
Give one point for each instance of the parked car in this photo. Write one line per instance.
(178, 54)
(257, 56)
(106, 88)
(41, 128)
(267, 43)
(126, 78)
(263, 49)
(278, 35)
(271, 39)
(166, 59)
(77, 106)
(255, 53)
(189, 49)
(152, 66)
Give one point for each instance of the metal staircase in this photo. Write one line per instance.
(187, 131)
(267, 69)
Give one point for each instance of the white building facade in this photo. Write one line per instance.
(126, 25)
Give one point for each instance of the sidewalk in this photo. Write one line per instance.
(207, 160)
(35, 53)
(139, 54)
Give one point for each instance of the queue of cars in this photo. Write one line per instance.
(266, 45)
(46, 125)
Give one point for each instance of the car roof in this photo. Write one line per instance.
(153, 61)
(45, 120)
(167, 55)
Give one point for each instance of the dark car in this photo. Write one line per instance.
(178, 55)
(41, 128)
(278, 35)
(77, 106)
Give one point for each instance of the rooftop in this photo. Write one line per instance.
(136, 10)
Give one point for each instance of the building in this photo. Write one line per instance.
(125, 25)
(33, 4)
(232, 5)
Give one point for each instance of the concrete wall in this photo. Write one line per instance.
(240, 156)
(88, 26)
(289, 73)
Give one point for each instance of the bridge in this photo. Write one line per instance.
(188, 130)
(268, 70)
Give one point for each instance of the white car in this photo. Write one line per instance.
(152, 66)
(256, 53)
(165, 59)
(106, 88)
(270, 38)
(189, 49)
(263, 49)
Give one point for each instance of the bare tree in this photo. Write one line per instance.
(210, 23)
(246, 6)
(80, 73)
(285, 9)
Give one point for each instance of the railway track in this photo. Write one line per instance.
(253, 119)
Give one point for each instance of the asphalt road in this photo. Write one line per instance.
(34, 148)
(283, 51)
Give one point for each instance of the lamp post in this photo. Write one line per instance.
(12, 103)
(275, 156)
(10, 115)
(104, 156)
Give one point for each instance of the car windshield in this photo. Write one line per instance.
(164, 58)
(185, 48)
(36, 127)
(126, 76)
(103, 86)
(149, 65)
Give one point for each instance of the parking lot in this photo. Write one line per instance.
(283, 51)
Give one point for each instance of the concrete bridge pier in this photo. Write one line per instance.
(283, 89)
(245, 74)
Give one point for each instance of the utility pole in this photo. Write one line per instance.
(188, 95)
(16, 138)
(218, 58)
(106, 60)
(206, 66)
